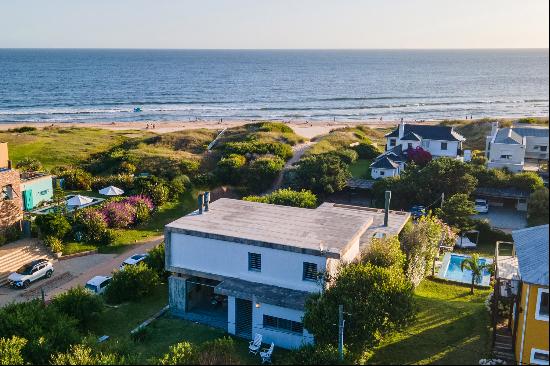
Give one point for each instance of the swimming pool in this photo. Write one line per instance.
(450, 270)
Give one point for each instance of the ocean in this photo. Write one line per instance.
(40, 85)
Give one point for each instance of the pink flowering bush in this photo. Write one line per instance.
(125, 212)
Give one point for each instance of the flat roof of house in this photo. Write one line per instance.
(29, 176)
(328, 230)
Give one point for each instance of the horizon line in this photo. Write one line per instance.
(274, 49)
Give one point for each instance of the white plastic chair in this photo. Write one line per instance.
(266, 354)
(254, 346)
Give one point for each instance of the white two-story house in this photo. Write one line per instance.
(509, 147)
(248, 267)
(439, 141)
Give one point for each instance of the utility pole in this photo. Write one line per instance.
(341, 332)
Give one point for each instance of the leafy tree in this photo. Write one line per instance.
(420, 243)
(220, 351)
(133, 283)
(229, 168)
(79, 304)
(537, 211)
(348, 156)
(385, 253)
(287, 197)
(367, 150)
(377, 300)
(80, 354)
(10, 350)
(156, 260)
(419, 156)
(46, 329)
(457, 211)
(29, 165)
(155, 188)
(53, 224)
(530, 181)
(473, 264)
(322, 174)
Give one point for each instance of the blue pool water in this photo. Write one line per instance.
(452, 272)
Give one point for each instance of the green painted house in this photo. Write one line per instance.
(36, 188)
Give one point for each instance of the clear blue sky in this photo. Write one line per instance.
(274, 23)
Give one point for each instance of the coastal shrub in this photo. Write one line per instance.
(183, 353)
(80, 354)
(29, 165)
(92, 224)
(126, 168)
(122, 181)
(22, 129)
(53, 224)
(348, 156)
(229, 169)
(179, 185)
(530, 181)
(287, 197)
(153, 187)
(9, 234)
(75, 178)
(55, 244)
(156, 260)
(46, 329)
(537, 211)
(318, 354)
(488, 234)
(367, 150)
(384, 253)
(284, 151)
(322, 174)
(189, 167)
(376, 299)
(80, 304)
(270, 127)
(10, 350)
(134, 283)
(261, 173)
(221, 351)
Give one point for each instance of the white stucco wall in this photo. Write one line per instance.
(497, 150)
(280, 338)
(279, 268)
(531, 152)
(434, 147)
(375, 173)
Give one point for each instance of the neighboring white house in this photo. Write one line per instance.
(509, 147)
(249, 267)
(440, 141)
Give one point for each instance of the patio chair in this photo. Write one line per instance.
(266, 354)
(254, 346)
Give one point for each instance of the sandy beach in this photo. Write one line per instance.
(308, 129)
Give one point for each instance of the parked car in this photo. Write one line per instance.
(418, 211)
(133, 260)
(30, 272)
(98, 284)
(481, 205)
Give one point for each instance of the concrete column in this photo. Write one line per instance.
(231, 315)
(177, 295)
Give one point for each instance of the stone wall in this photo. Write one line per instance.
(11, 211)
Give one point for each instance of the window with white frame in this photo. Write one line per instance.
(542, 305)
(539, 357)
(443, 146)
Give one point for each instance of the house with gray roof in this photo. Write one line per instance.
(439, 141)
(509, 147)
(248, 267)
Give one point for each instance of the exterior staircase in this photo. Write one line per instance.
(14, 255)
(503, 345)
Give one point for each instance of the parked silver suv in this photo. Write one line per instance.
(30, 272)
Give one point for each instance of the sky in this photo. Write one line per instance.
(273, 24)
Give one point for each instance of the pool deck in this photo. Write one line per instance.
(442, 273)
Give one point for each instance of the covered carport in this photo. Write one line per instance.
(507, 207)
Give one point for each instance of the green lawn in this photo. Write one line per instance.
(452, 327)
(361, 169)
(163, 332)
(63, 146)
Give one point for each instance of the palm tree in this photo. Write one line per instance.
(477, 269)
